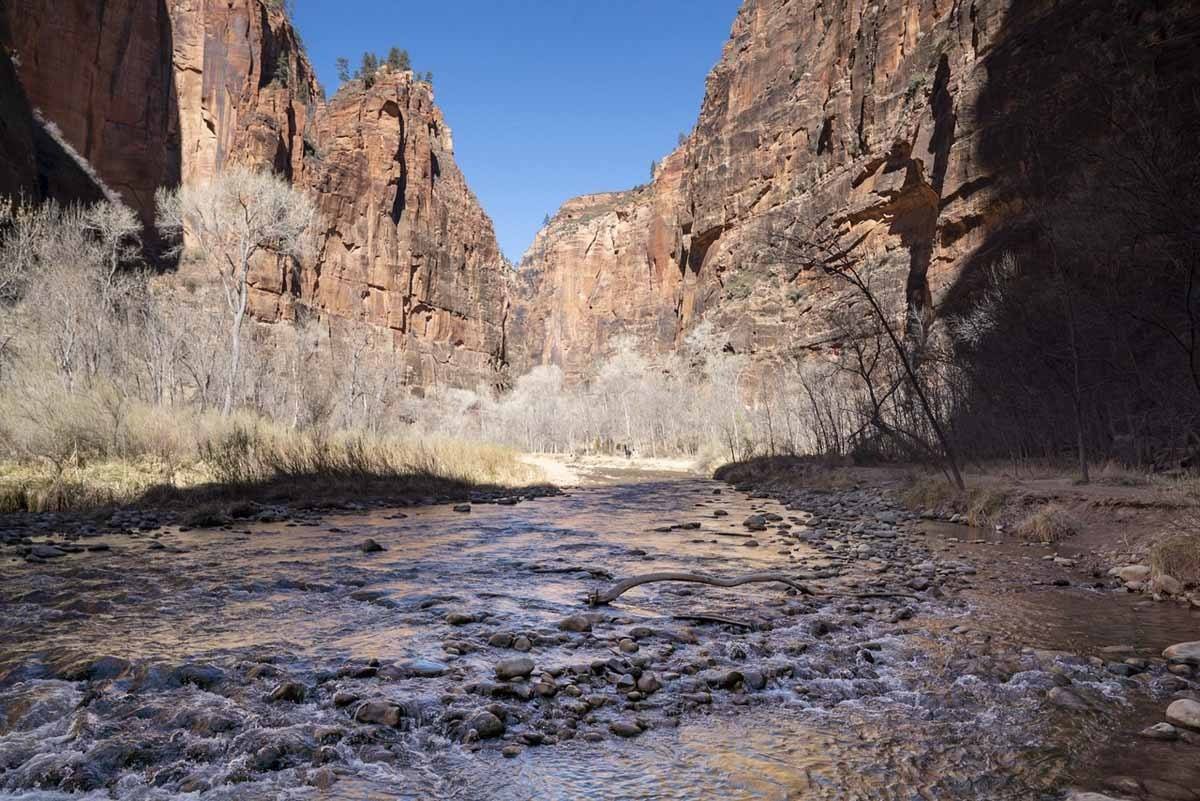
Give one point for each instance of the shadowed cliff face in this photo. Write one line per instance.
(101, 73)
(895, 122)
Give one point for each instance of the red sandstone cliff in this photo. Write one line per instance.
(154, 92)
(404, 245)
(902, 123)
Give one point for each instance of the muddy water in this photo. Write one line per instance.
(232, 664)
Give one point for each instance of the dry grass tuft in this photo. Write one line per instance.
(1177, 556)
(1048, 523)
(930, 492)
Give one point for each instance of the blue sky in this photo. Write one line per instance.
(547, 99)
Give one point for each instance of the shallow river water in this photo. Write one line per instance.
(281, 660)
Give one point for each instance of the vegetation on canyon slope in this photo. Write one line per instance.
(110, 385)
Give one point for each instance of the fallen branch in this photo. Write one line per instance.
(596, 598)
(716, 619)
(602, 598)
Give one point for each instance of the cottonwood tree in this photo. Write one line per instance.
(228, 221)
(118, 234)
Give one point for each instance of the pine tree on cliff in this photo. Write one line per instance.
(370, 65)
(343, 70)
(398, 60)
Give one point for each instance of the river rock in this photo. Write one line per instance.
(575, 623)
(461, 618)
(1131, 573)
(1161, 731)
(1185, 712)
(486, 725)
(755, 523)
(462, 507)
(292, 691)
(381, 711)
(516, 668)
(1166, 585)
(1186, 652)
(422, 668)
(47, 552)
(369, 545)
(625, 728)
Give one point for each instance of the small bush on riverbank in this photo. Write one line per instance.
(1048, 523)
(1177, 556)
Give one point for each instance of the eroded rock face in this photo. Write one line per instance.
(904, 124)
(405, 245)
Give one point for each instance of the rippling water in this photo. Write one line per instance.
(936, 697)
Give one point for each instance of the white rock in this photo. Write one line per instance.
(1185, 712)
(1131, 573)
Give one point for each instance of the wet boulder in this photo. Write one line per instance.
(379, 711)
(369, 545)
(575, 623)
(486, 725)
(516, 668)
(203, 676)
(625, 728)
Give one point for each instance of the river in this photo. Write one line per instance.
(281, 660)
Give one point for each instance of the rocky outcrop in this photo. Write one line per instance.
(404, 245)
(150, 93)
(915, 127)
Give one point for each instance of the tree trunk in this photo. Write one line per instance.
(235, 350)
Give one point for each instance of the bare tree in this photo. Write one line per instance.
(820, 247)
(229, 221)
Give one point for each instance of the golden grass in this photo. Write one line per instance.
(1178, 556)
(170, 457)
(1048, 523)
(930, 492)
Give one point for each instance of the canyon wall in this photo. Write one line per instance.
(921, 129)
(151, 93)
